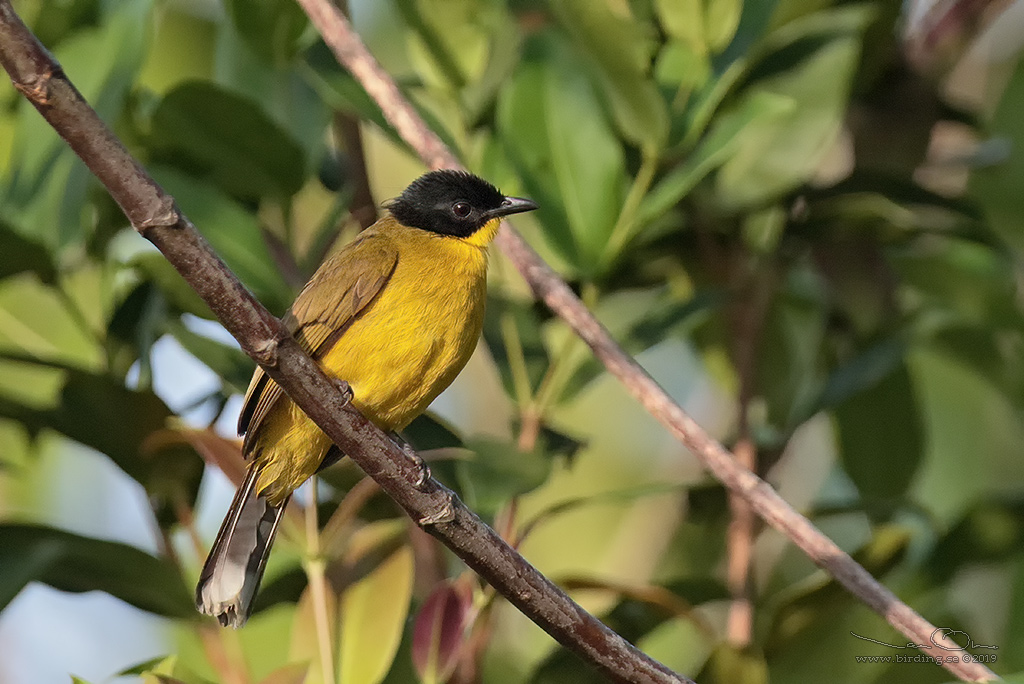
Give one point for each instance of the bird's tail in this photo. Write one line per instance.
(234, 568)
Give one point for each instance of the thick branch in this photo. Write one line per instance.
(154, 214)
(546, 285)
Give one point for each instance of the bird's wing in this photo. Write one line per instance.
(323, 311)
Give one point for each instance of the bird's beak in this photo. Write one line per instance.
(512, 205)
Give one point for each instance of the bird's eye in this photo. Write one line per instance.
(461, 209)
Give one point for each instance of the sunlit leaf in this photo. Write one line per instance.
(373, 612)
(780, 152)
(721, 143)
(730, 665)
(47, 186)
(571, 162)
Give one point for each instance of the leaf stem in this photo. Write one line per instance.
(625, 225)
(315, 566)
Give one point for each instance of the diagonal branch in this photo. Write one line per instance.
(153, 213)
(546, 285)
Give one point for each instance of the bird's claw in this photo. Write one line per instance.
(344, 388)
(446, 513)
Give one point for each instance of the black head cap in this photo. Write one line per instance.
(454, 203)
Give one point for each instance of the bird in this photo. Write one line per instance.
(396, 315)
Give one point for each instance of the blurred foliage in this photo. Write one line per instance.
(753, 196)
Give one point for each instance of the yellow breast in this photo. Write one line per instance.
(402, 351)
(418, 334)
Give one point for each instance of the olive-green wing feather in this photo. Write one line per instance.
(336, 294)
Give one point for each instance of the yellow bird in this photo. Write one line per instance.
(396, 314)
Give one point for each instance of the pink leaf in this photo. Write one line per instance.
(439, 630)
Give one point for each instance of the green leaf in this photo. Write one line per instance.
(678, 643)
(271, 28)
(622, 48)
(228, 139)
(47, 186)
(997, 186)
(721, 19)
(861, 373)
(233, 233)
(154, 267)
(781, 152)
(802, 608)
(93, 409)
(571, 162)
(341, 91)
(721, 143)
(498, 472)
(70, 562)
(788, 368)
(989, 532)
(684, 20)
(881, 437)
(731, 665)
(22, 254)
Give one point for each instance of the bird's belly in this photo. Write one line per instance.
(398, 363)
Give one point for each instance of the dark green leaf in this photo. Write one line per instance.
(861, 373)
(881, 437)
(100, 412)
(989, 532)
(271, 28)
(498, 472)
(22, 254)
(228, 139)
(73, 563)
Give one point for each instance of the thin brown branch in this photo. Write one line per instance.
(748, 323)
(546, 285)
(348, 134)
(154, 214)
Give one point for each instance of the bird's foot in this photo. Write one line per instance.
(344, 388)
(443, 514)
(421, 466)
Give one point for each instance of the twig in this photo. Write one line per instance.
(349, 49)
(362, 207)
(154, 214)
(748, 322)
